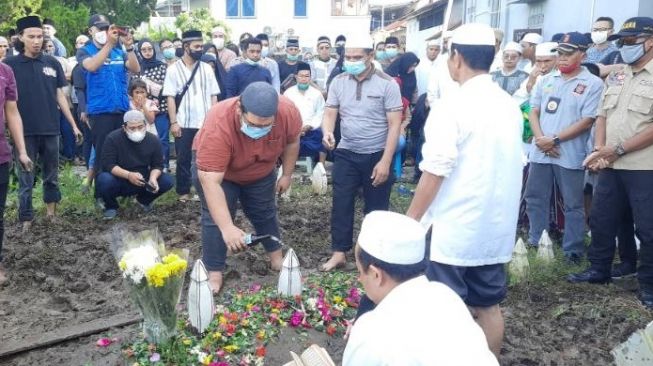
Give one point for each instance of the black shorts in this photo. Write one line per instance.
(482, 286)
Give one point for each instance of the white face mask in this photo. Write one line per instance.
(599, 37)
(265, 51)
(218, 43)
(100, 37)
(137, 136)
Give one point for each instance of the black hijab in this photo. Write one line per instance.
(220, 72)
(148, 63)
(399, 68)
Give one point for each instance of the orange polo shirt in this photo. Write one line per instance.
(221, 147)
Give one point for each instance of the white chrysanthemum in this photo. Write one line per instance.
(138, 260)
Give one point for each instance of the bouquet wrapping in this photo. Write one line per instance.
(154, 277)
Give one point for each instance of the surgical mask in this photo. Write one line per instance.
(391, 52)
(599, 37)
(292, 57)
(218, 43)
(631, 54)
(302, 86)
(169, 53)
(265, 51)
(254, 132)
(136, 136)
(100, 37)
(196, 55)
(568, 69)
(251, 62)
(354, 67)
(380, 55)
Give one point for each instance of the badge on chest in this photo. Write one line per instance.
(552, 105)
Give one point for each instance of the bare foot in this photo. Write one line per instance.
(337, 260)
(50, 209)
(3, 275)
(276, 259)
(215, 281)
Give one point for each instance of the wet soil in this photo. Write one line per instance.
(63, 274)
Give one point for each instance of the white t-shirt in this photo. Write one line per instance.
(474, 140)
(423, 73)
(419, 323)
(310, 105)
(197, 100)
(440, 82)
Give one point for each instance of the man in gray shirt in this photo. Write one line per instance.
(369, 103)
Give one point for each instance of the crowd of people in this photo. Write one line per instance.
(546, 133)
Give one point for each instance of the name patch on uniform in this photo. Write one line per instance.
(646, 82)
(50, 71)
(580, 89)
(552, 105)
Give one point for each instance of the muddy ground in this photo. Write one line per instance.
(63, 274)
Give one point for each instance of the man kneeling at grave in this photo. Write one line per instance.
(132, 164)
(415, 322)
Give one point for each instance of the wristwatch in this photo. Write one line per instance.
(556, 140)
(619, 150)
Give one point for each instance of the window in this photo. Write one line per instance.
(431, 19)
(241, 8)
(300, 8)
(349, 7)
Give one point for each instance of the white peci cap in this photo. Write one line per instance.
(533, 38)
(474, 34)
(546, 49)
(218, 29)
(392, 238)
(513, 46)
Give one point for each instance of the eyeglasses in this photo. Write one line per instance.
(631, 41)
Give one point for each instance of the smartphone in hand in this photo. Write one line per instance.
(123, 31)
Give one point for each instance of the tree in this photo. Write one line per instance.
(69, 22)
(202, 20)
(12, 10)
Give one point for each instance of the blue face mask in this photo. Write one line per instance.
(354, 67)
(391, 52)
(302, 86)
(631, 54)
(252, 131)
(380, 55)
(292, 57)
(169, 53)
(251, 62)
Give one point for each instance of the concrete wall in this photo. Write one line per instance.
(279, 14)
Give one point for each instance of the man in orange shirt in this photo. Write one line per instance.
(236, 155)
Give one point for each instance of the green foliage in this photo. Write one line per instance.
(69, 22)
(156, 34)
(122, 12)
(202, 20)
(12, 10)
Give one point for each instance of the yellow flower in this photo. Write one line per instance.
(217, 336)
(222, 320)
(231, 348)
(171, 258)
(176, 267)
(337, 299)
(207, 360)
(260, 335)
(123, 265)
(249, 307)
(244, 322)
(275, 310)
(157, 275)
(187, 342)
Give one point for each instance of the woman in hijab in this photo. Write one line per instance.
(210, 57)
(153, 72)
(404, 69)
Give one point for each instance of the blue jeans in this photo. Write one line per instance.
(110, 187)
(617, 192)
(162, 123)
(44, 149)
(183, 147)
(351, 172)
(258, 202)
(539, 186)
(67, 138)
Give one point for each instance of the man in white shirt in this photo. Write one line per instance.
(528, 44)
(416, 322)
(471, 182)
(322, 65)
(219, 39)
(440, 82)
(187, 117)
(427, 66)
(310, 102)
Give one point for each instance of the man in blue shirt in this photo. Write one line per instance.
(106, 65)
(241, 75)
(602, 28)
(564, 105)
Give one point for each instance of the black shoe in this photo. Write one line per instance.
(624, 270)
(589, 275)
(646, 297)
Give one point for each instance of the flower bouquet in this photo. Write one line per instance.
(154, 277)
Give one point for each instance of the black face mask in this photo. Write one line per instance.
(179, 52)
(196, 55)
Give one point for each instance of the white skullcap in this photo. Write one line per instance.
(133, 116)
(218, 29)
(533, 38)
(433, 42)
(546, 49)
(474, 34)
(513, 46)
(392, 237)
(363, 40)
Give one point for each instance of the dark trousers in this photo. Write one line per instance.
(162, 123)
(614, 190)
(101, 126)
(67, 138)
(4, 186)
(44, 149)
(626, 239)
(352, 172)
(258, 202)
(183, 147)
(110, 187)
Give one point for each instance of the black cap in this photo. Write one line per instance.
(31, 21)
(48, 21)
(392, 40)
(574, 41)
(303, 66)
(99, 21)
(292, 42)
(341, 38)
(323, 39)
(263, 37)
(191, 35)
(633, 27)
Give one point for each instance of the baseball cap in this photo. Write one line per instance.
(633, 27)
(99, 21)
(574, 41)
